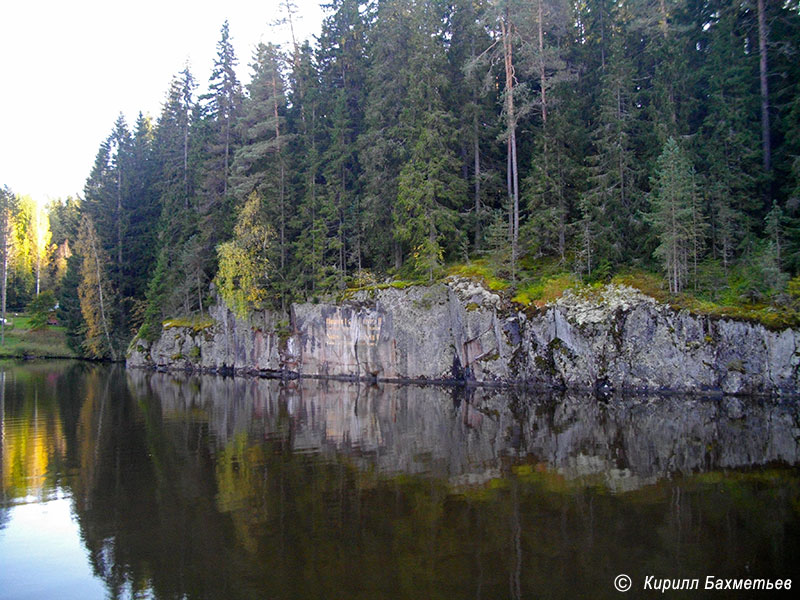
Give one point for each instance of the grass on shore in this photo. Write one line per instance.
(540, 282)
(22, 342)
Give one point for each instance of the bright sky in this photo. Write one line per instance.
(69, 68)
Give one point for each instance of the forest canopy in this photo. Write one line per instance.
(579, 138)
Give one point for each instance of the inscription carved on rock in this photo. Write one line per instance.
(340, 328)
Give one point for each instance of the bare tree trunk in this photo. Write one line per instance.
(513, 178)
(562, 211)
(6, 247)
(200, 291)
(227, 152)
(762, 51)
(476, 150)
(186, 164)
(602, 37)
(542, 74)
(100, 296)
(398, 254)
(282, 169)
(477, 156)
(119, 222)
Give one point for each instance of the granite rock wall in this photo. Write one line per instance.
(615, 338)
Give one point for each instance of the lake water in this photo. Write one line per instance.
(145, 485)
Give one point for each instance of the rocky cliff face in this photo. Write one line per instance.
(613, 338)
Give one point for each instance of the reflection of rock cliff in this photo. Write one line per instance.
(409, 429)
(617, 338)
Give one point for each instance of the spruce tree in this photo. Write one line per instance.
(728, 140)
(260, 164)
(342, 72)
(612, 201)
(219, 139)
(675, 215)
(383, 145)
(314, 265)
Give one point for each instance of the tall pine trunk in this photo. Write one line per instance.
(762, 51)
(5, 245)
(282, 186)
(512, 177)
(542, 73)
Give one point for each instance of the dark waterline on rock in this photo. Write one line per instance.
(120, 483)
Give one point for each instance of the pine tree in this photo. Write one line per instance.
(430, 189)
(143, 212)
(171, 144)
(611, 204)
(675, 214)
(429, 192)
(69, 306)
(171, 288)
(475, 118)
(106, 195)
(260, 164)
(728, 143)
(342, 72)
(216, 131)
(223, 109)
(383, 145)
(313, 267)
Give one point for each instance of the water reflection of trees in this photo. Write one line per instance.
(33, 432)
(205, 487)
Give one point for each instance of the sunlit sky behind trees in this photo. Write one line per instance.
(70, 68)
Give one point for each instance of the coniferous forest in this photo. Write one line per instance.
(529, 142)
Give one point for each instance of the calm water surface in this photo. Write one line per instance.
(142, 485)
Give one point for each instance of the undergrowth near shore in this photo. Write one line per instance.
(23, 342)
(734, 294)
(195, 322)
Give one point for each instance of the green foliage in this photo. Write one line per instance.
(243, 278)
(498, 244)
(40, 309)
(675, 214)
(24, 342)
(97, 296)
(69, 307)
(741, 295)
(645, 282)
(545, 290)
(196, 323)
(793, 288)
(385, 151)
(480, 269)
